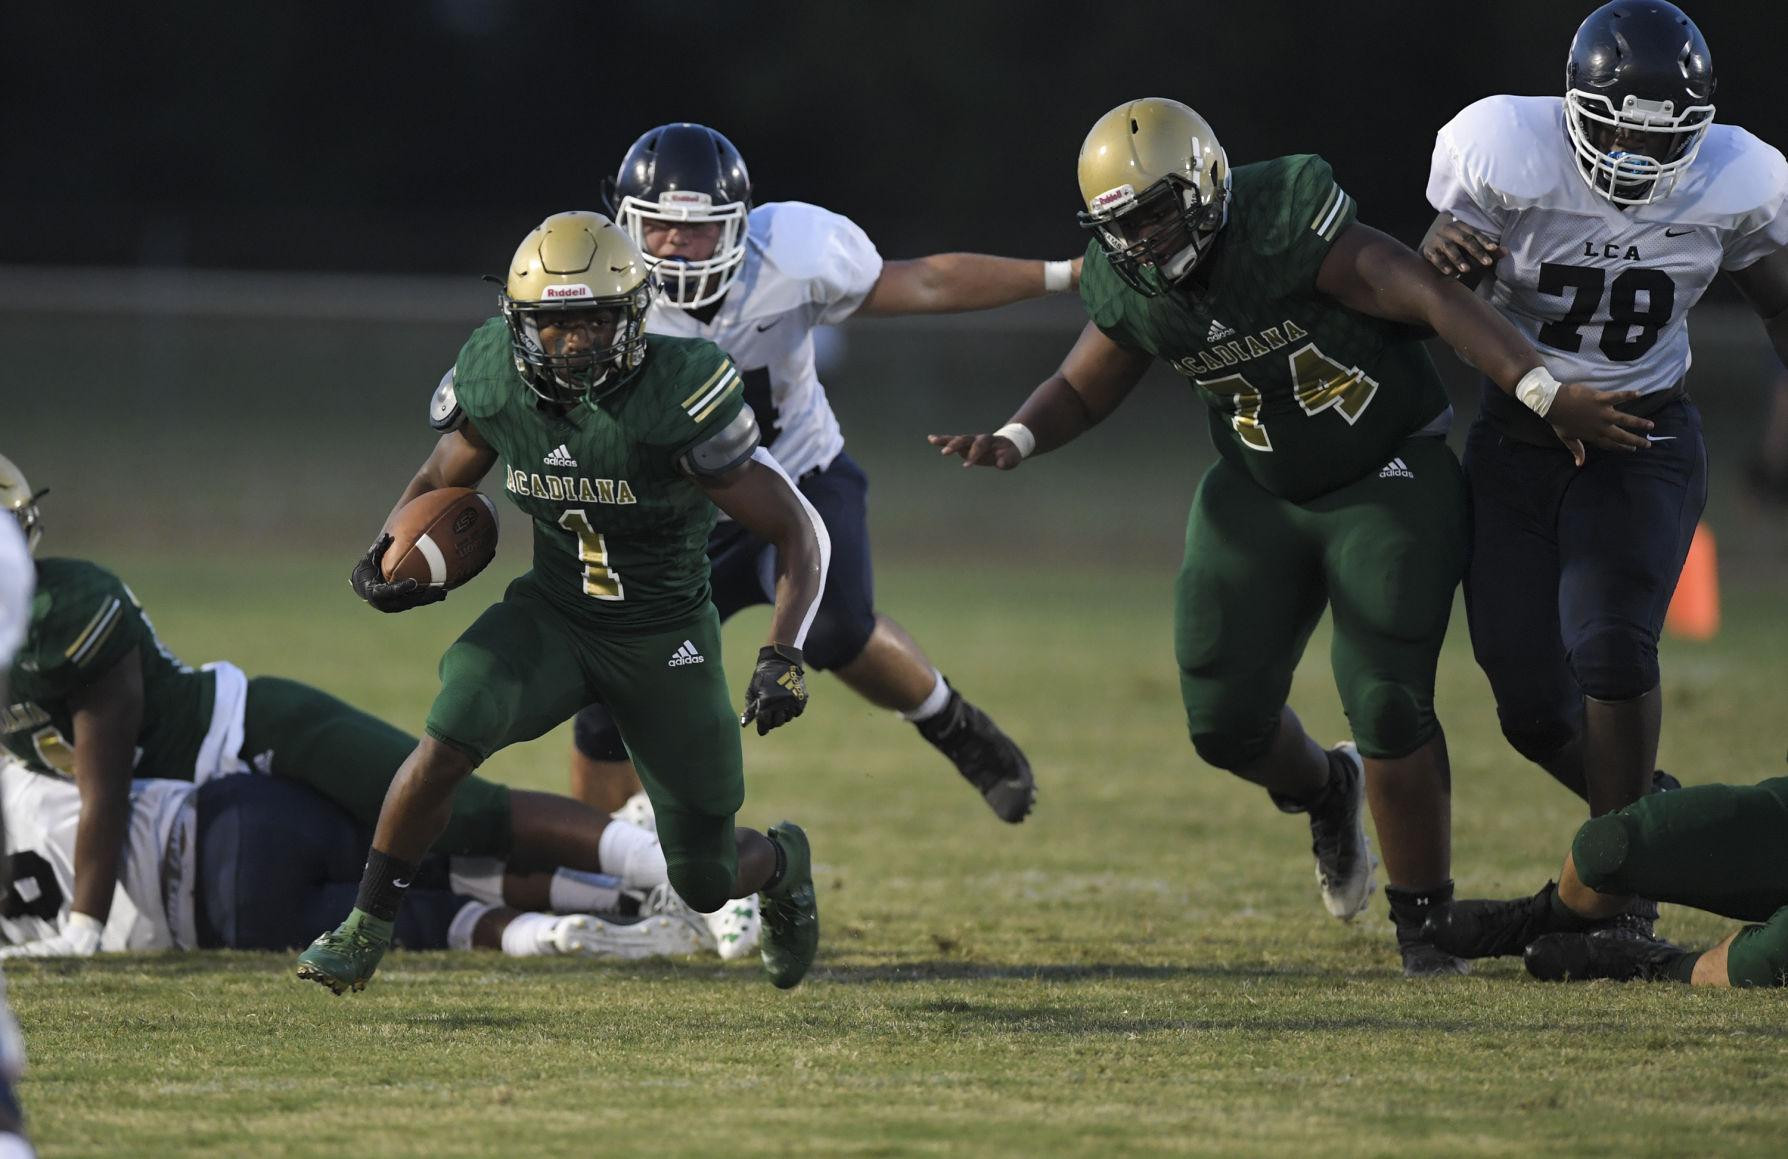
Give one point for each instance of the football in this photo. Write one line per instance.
(442, 538)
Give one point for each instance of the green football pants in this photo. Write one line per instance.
(1720, 848)
(294, 731)
(1384, 553)
(525, 666)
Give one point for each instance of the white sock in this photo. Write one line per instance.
(933, 703)
(459, 930)
(523, 937)
(632, 854)
(479, 878)
(575, 892)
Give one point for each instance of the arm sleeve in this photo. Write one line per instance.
(848, 267)
(1311, 215)
(85, 633)
(710, 400)
(1450, 190)
(1110, 303)
(1764, 230)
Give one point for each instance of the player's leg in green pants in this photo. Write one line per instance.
(295, 731)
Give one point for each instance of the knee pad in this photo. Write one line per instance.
(1536, 735)
(1758, 956)
(1599, 852)
(595, 735)
(1616, 662)
(1390, 720)
(1237, 748)
(838, 636)
(704, 885)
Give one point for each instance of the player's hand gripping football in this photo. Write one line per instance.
(1454, 248)
(979, 450)
(1581, 414)
(778, 689)
(369, 583)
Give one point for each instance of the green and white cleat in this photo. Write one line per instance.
(790, 911)
(344, 958)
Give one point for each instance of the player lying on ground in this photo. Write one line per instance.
(264, 863)
(96, 696)
(1601, 218)
(1301, 329)
(1720, 848)
(757, 281)
(17, 581)
(619, 450)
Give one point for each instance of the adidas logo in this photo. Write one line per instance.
(686, 654)
(561, 457)
(1396, 469)
(1218, 332)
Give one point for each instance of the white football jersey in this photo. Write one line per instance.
(154, 878)
(17, 578)
(804, 267)
(1604, 292)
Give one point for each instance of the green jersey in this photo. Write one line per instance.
(620, 532)
(83, 622)
(1305, 395)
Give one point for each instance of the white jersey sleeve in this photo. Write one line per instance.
(1602, 293)
(42, 814)
(17, 578)
(804, 267)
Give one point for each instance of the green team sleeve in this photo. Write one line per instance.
(1108, 300)
(711, 395)
(83, 624)
(482, 369)
(1299, 209)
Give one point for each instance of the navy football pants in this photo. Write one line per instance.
(1572, 569)
(278, 865)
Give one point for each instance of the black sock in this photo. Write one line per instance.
(775, 878)
(383, 884)
(1411, 907)
(1316, 800)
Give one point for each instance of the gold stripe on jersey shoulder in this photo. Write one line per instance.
(1333, 229)
(1328, 207)
(706, 403)
(98, 629)
(725, 365)
(718, 399)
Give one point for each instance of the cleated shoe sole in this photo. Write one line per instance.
(1344, 858)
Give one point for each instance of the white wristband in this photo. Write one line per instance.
(1537, 389)
(1058, 277)
(1020, 437)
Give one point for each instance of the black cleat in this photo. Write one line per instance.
(985, 756)
(1617, 954)
(1662, 782)
(1421, 957)
(1496, 929)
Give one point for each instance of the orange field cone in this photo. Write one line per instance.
(1695, 608)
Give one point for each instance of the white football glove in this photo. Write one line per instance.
(78, 938)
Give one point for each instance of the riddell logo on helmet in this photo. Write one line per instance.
(684, 197)
(1113, 197)
(576, 290)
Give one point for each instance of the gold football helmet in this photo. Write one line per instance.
(18, 500)
(577, 270)
(1156, 187)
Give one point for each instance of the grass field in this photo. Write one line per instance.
(1141, 968)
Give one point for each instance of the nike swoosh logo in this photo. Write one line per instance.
(400, 882)
(1677, 232)
(767, 325)
(1659, 438)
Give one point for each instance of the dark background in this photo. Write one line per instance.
(427, 135)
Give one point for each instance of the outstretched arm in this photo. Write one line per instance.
(761, 498)
(1097, 375)
(1375, 274)
(947, 283)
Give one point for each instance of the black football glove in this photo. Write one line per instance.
(778, 690)
(369, 583)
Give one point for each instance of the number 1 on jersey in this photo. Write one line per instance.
(600, 581)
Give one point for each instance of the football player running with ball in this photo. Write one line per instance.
(1601, 218)
(757, 281)
(1301, 329)
(619, 451)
